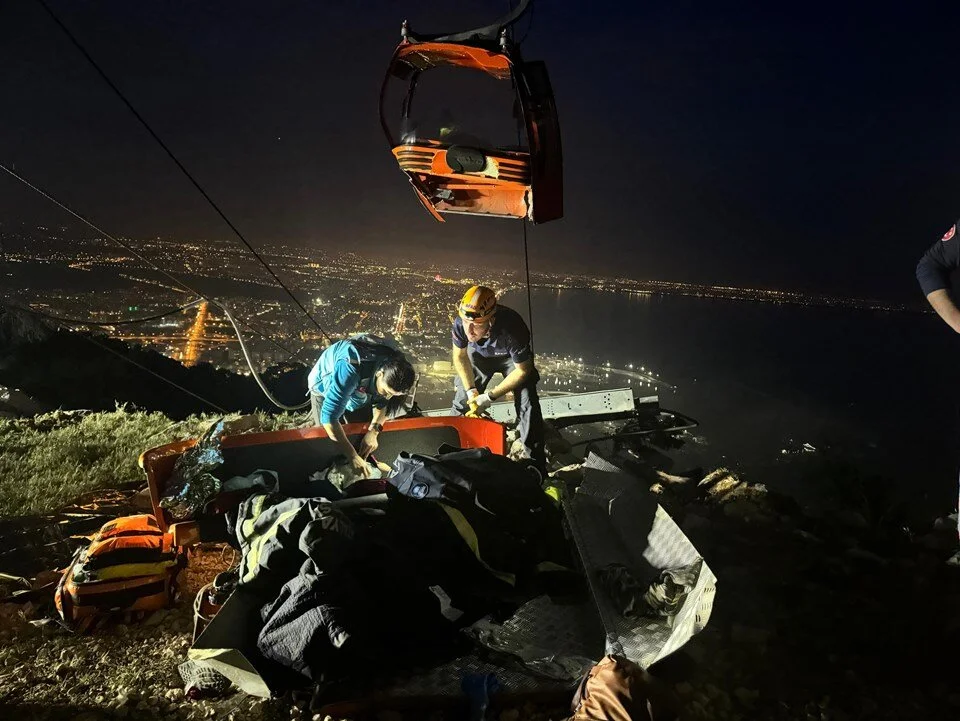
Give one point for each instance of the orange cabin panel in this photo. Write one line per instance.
(423, 56)
(300, 442)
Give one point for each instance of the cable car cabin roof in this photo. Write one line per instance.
(410, 57)
(296, 454)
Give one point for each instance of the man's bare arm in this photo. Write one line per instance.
(335, 431)
(463, 367)
(945, 307)
(514, 380)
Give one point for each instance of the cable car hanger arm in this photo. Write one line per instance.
(487, 34)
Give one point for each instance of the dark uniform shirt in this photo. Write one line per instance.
(509, 336)
(936, 265)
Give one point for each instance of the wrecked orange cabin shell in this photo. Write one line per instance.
(298, 452)
(452, 178)
(501, 188)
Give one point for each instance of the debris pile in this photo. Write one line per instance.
(810, 623)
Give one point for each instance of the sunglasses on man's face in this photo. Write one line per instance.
(474, 315)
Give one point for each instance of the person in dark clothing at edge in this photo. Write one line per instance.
(933, 272)
(353, 375)
(487, 339)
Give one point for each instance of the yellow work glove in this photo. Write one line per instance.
(479, 404)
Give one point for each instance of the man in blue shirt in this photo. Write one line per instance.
(489, 338)
(352, 374)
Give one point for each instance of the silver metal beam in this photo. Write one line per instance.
(594, 403)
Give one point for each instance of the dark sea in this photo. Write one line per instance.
(867, 388)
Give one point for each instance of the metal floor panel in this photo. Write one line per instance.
(552, 645)
(613, 520)
(445, 679)
(560, 641)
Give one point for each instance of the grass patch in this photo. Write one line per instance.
(49, 460)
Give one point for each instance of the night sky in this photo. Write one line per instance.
(804, 147)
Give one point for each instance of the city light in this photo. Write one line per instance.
(351, 294)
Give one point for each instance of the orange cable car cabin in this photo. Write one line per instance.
(456, 172)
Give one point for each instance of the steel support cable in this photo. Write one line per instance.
(236, 330)
(526, 254)
(137, 253)
(78, 321)
(526, 265)
(180, 165)
(140, 366)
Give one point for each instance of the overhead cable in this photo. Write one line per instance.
(180, 165)
(139, 365)
(131, 321)
(216, 303)
(136, 252)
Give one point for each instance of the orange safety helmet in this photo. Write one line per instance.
(478, 304)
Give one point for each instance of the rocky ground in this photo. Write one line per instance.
(121, 670)
(816, 619)
(826, 618)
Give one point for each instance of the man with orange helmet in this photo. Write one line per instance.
(489, 338)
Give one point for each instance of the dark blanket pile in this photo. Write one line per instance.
(462, 534)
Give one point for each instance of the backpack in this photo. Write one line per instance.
(129, 565)
(373, 350)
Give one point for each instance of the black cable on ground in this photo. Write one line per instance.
(180, 165)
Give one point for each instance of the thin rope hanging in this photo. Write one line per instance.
(526, 265)
(253, 372)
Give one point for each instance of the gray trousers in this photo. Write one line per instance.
(526, 403)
